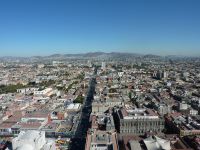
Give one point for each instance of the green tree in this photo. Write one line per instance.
(130, 95)
(79, 99)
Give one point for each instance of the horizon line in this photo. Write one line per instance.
(48, 55)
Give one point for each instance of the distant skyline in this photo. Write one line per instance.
(45, 27)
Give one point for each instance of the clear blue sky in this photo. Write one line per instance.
(43, 27)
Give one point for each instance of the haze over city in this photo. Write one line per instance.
(35, 27)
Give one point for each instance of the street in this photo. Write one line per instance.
(79, 139)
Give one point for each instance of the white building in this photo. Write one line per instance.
(73, 107)
(156, 143)
(57, 63)
(46, 92)
(32, 140)
(103, 66)
(165, 75)
(26, 90)
(193, 112)
(183, 105)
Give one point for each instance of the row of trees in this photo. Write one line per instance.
(13, 88)
(10, 88)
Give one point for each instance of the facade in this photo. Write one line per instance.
(138, 121)
(163, 108)
(103, 105)
(46, 92)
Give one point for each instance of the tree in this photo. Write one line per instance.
(79, 99)
(81, 76)
(130, 95)
(10, 88)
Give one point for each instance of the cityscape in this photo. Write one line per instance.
(100, 101)
(99, 75)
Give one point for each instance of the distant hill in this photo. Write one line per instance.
(92, 55)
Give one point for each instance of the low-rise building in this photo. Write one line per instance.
(101, 140)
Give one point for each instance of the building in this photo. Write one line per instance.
(182, 124)
(156, 143)
(103, 65)
(32, 140)
(99, 107)
(102, 105)
(183, 105)
(163, 108)
(73, 107)
(101, 140)
(102, 122)
(57, 63)
(131, 142)
(45, 92)
(160, 75)
(26, 90)
(138, 121)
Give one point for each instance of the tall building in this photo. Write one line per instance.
(103, 65)
(165, 74)
(160, 74)
(89, 63)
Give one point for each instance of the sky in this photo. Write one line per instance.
(45, 27)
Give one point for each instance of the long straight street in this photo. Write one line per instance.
(79, 139)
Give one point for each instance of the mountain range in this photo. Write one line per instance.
(92, 55)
